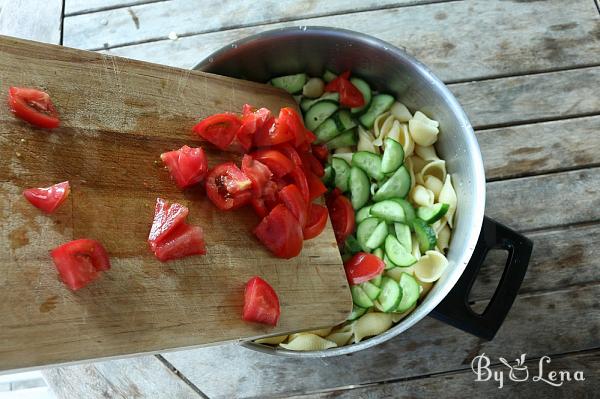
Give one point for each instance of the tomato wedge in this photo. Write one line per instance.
(187, 166)
(167, 217)
(316, 221)
(280, 232)
(278, 163)
(219, 129)
(363, 267)
(320, 152)
(316, 188)
(273, 134)
(258, 173)
(261, 304)
(253, 121)
(342, 217)
(293, 200)
(291, 153)
(311, 162)
(80, 262)
(228, 187)
(50, 198)
(33, 106)
(350, 96)
(289, 117)
(184, 241)
(299, 179)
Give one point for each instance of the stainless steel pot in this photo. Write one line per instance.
(391, 70)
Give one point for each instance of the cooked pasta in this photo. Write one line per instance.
(365, 141)
(370, 324)
(340, 338)
(308, 342)
(422, 133)
(434, 184)
(421, 196)
(426, 153)
(431, 266)
(448, 196)
(435, 169)
(443, 237)
(272, 340)
(400, 112)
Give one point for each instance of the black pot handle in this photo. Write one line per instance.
(455, 309)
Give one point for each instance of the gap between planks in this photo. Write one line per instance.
(114, 7)
(180, 376)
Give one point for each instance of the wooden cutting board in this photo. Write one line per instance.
(118, 116)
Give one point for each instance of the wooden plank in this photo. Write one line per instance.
(141, 377)
(514, 44)
(154, 21)
(89, 6)
(460, 384)
(34, 20)
(140, 305)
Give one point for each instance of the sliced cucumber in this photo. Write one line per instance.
(343, 120)
(290, 83)
(357, 311)
(376, 280)
(399, 255)
(378, 236)
(328, 76)
(359, 187)
(388, 210)
(403, 235)
(409, 211)
(425, 235)
(360, 297)
(378, 252)
(388, 263)
(341, 170)
(371, 290)
(398, 185)
(307, 103)
(393, 156)
(410, 292)
(432, 214)
(365, 90)
(318, 113)
(379, 104)
(328, 175)
(326, 131)
(362, 214)
(351, 245)
(390, 295)
(346, 139)
(364, 231)
(369, 162)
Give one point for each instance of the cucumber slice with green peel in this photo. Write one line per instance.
(351, 245)
(328, 175)
(362, 214)
(318, 113)
(390, 295)
(376, 280)
(378, 252)
(425, 235)
(343, 120)
(357, 311)
(365, 90)
(396, 252)
(398, 185)
(364, 231)
(388, 263)
(403, 235)
(432, 214)
(341, 171)
(409, 211)
(410, 292)
(326, 131)
(346, 139)
(359, 187)
(369, 162)
(393, 156)
(378, 236)
(307, 103)
(290, 83)
(360, 297)
(328, 76)
(388, 210)
(371, 290)
(379, 104)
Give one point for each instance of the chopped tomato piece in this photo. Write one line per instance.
(187, 166)
(350, 96)
(316, 221)
(261, 304)
(258, 204)
(219, 129)
(289, 117)
(228, 187)
(342, 217)
(291, 153)
(311, 162)
(293, 200)
(273, 134)
(253, 121)
(320, 152)
(278, 163)
(33, 106)
(167, 217)
(80, 262)
(280, 232)
(50, 198)
(310, 137)
(363, 267)
(184, 241)
(299, 179)
(258, 173)
(316, 188)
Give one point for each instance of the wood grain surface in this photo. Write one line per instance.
(118, 116)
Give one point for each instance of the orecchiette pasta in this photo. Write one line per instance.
(370, 324)
(448, 196)
(400, 112)
(308, 342)
(431, 266)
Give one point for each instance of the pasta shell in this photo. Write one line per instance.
(371, 324)
(443, 237)
(400, 112)
(422, 117)
(346, 327)
(393, 133)
(416, 251)
(434, 184)
(346, 156)
(448, 196)
(271, 340)
(427, 153)
(404, 138)
(435, 169)
(422, 196)
(425, 288)
(379, 122)
(396, 272)
(340, 338)
(308, 342)
(396, 317)
(384, 130)
(422, 133)
(321, 333)
(431, 266)
(365, 141)
(409, 165)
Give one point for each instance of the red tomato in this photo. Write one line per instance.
(350, 96)
(278, 163)
(290, 118)
(293, 200)
(184, 241)
(291, 153)
(258, 173)
(167, 217)
(33, 106)
(50, 198)
(258, 204)
(310, 137)
(228, 187)
(219, 129)
(187, 166)
(252, 121)
(320, 152)
(363, 267)
(261, 304)
(342, 217)
(79, 262)
(316, 221)
(299, 179)
(309, 161)
(280, 232)
(316, 188)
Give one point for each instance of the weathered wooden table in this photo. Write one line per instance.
(528, 75)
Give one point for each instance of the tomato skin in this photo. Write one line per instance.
(278, 163)
(273, 133)
(184, 241)
(291, 153)
(311, 162)
(261, 304)
(320, 152)
(167, 217)
(298, 177)
(341, 213)
(280, 232)
(186, 165)
(219, 129)
(80, 262)
(33, 106)
(252, 121)
(293, 200)
(290, 118)
(316, 221)
(50, 198)
(350, 96)
(228, 187)
(316, 188)
(363, 267)
(258, 173)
